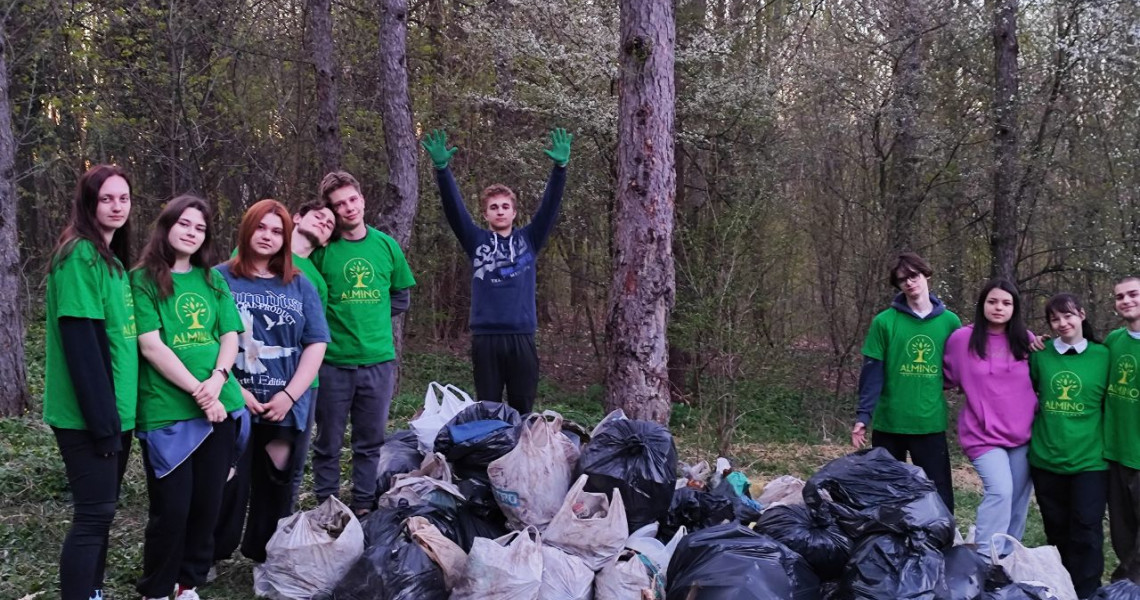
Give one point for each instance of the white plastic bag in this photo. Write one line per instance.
(530, 481)
(589, 525)
(784, 489)
(631, 577)
(565, 577)
(309, 552)
(438, 410)
(452, 560)
(1037, 565)
(645, 542)
(508, 568)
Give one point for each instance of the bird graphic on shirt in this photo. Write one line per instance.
(253, 350)
(270, 323)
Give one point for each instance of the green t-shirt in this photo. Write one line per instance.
(191, 321)
(314, 276)
(1068, 434)
(81, 285)
(361, 275)
(911, 350)
(1122, 400)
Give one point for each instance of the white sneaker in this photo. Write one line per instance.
(186, 594)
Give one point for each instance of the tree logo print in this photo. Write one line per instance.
(1066, 385)
(359, 272)
(1126, 367)
(193, 308)
(920, 348)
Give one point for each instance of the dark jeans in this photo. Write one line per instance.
(302, 450)
(1124, 519)
(505, 361)
(184, 507)
(1072, 510)
(94, 482)
(927, 451)
(365, 394)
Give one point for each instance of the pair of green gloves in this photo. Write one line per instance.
(436, 145)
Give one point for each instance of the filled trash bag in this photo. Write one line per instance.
(399, 454)
(745, 510)
(999, 586)
(530, 482)
(396, 569)
(966, 573)
(732, 562)
(589, 525)
(636, 457)
(309, 552)
(814, 535)
(784, 489)
(871, 492)
(383, 526)
(481, 500)
(507, 568)
(883, 567)
(565, 577)
(441, 404)
(1118, 590)
(478, 435)
(695, 509)
(628, 576)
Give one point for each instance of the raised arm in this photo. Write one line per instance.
(457, 216)
(547, 214)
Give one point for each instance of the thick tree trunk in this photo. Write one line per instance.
(643, 286)
(903, 191)
(402, 192)
(14, 392)
(320, 41)
(1003, 237)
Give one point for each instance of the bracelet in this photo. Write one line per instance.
(225, 373)
(290, 395)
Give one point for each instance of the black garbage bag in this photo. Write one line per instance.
(382, 527)
(478, 435)
(745, 509)
(888, 566)
(481, 500)
(694, 509)
(399, 454)
(1020, 591)
(872, 493)
(638, 458)
(396, 570)
(732, 562)
(1118, 590)
(815, 535)
(966, 573)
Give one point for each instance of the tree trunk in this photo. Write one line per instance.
(14, 397)
(402, 192)
(643, 286)
(1003, 237)
(903, 190)
(320, 40)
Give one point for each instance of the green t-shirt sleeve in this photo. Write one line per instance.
(145, 294)
(402, 278)
(77, 280)
(228, 317)
(875, 346)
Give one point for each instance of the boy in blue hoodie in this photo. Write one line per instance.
(901, 381)
(503, 259)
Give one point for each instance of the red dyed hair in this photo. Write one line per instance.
(282, 263)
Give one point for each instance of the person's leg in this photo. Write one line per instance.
(1053, 500)
(211, 464)
(930, 453)
(1022, 489)
(272, 471)
(1123, 520)
(165, 536)
(521, 371)
(894, 443)
(485, 368)
(994, 512)
(1088, 495)
(94, 483)
(332, 418)
(374, 387)
(301, 451)
(231, 514)
(123, 457)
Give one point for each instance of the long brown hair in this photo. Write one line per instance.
(282, 263)
(158, 256)
(82, 224)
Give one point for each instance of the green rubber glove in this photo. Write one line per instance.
(436, 145)
(559, 151)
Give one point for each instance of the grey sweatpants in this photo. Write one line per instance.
(364, 394)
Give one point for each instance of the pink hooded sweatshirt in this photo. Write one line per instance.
(1000, 401)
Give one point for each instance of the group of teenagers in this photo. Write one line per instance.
(223, 369)
(1058, 415)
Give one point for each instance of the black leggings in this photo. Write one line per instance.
(94, 482)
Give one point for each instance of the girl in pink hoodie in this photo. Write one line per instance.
(989, 362)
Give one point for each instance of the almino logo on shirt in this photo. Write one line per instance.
(193, 314)
(1123, 382)
(360, 274)
(921, 350)
(502, 261)
(1067, 386)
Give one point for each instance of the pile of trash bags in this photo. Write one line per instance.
(480, 502)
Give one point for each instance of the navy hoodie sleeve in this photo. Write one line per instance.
(870, 388)
(87, 353)
(457, 215)
(547, 214)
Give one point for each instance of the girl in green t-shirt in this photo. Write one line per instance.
(91, 368)
(1066, 447)
(188, 333)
